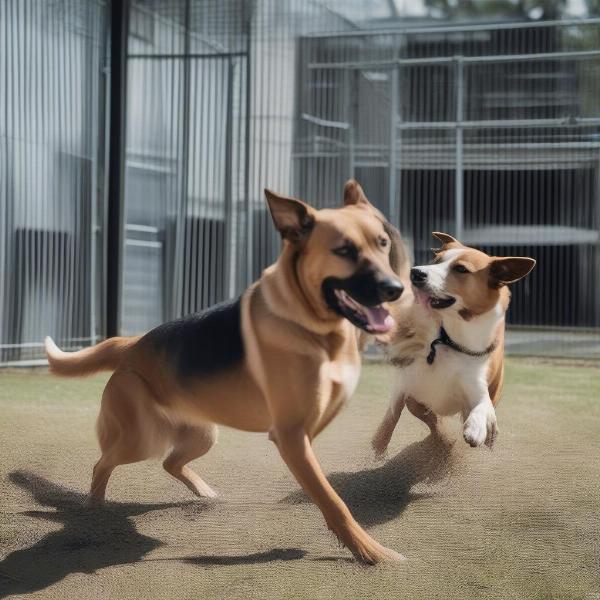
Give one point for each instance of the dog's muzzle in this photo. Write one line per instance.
(359, 299)
(423, 293)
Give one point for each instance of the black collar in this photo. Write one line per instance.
(445, 339)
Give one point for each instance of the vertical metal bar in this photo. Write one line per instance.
(104, 127)
(596, 248)
(459, 184)
(228, 175)
(174, 307)
(249, 222)
(351, 88)
(393, 208)
(116, 163)
(93, 47)
(4, 169)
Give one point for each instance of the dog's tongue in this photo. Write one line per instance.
(420, 297)
(379, 319)
(423, 299)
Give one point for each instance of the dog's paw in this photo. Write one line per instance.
(204, 491)
(379, 448)
(364, 547)
(481, 426)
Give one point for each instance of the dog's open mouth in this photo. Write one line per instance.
(428, 300)
(373, 319)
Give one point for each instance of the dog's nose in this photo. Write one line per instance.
(390, 290)
(417, 276)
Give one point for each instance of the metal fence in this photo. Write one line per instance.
(490, 132)
(210, 120)
(51, 199)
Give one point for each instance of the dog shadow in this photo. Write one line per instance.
(380, 494)
(281, 554)
(91, 537)
(96, 537)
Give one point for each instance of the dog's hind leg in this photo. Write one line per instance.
(424, 414)
(191, 443)
(102, 471)
(384, 432)
(128, 429)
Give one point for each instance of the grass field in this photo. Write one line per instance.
(521, 521)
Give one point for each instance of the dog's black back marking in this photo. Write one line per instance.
(201, 343)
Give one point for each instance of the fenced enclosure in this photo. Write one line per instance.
(52, 57)
(490, 132)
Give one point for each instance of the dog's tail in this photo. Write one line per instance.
(105, 356)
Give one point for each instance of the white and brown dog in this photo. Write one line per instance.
(449, 345)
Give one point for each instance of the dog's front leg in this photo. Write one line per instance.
(384, 432)
(480, 425)
(296, 450)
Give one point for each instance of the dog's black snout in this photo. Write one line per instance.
(417, 276)
(390, 290)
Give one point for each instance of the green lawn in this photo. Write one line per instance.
(521, 521)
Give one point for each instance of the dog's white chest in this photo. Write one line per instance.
(344, 376)
(342, 379)
(338, 385)
(439, 386)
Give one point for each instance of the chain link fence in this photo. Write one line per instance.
(489, 132)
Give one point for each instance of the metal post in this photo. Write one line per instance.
(114, 227)
(350, 76)
(393, 208)
(459, 183)
(596, 317)
(174, 303)
(230, 246)
(247, 144)
(93, 111)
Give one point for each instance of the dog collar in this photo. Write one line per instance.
(445, 339)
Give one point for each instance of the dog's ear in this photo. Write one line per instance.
(293, 218)
(399, 260)
(509, 269)
(445, 238)
(355, 195)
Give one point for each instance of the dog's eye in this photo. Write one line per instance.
(348, 250)
(461, 269)
(383, 242)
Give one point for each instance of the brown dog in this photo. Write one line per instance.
(281, 359)
(449, 345)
